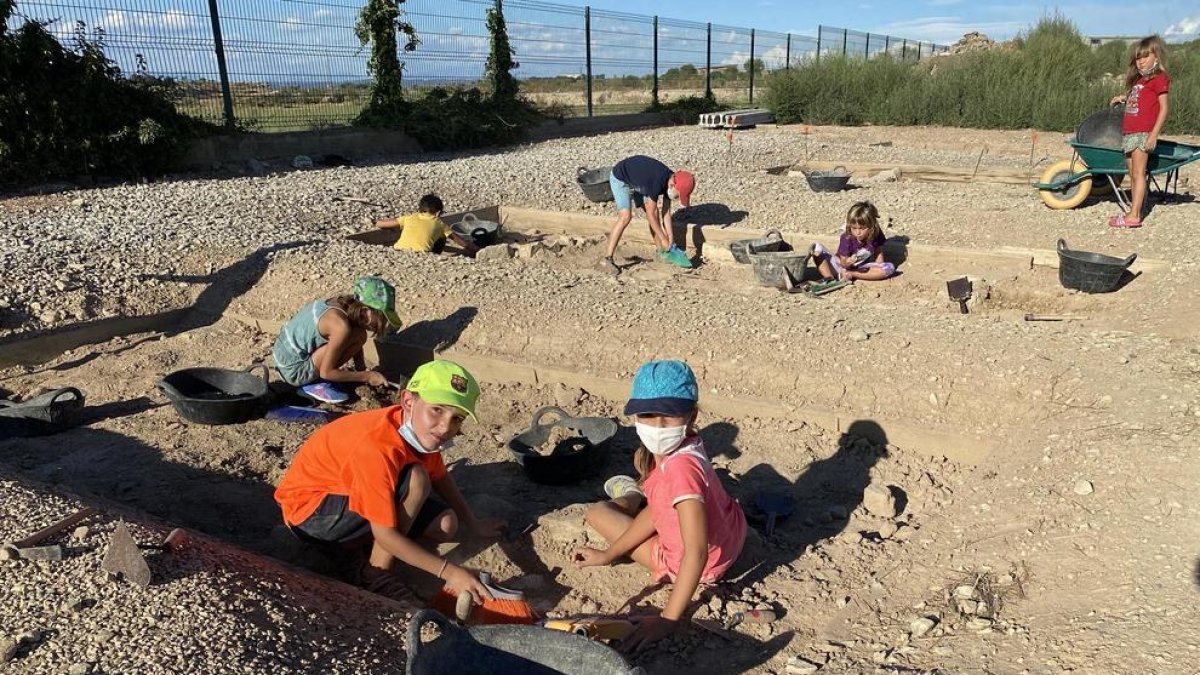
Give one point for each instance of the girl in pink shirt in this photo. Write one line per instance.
(693, 530)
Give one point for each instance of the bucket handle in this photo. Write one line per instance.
(580, 171)
(53, 397)
(414, 631)
(1130, 259)
(468, 216)
(1062, 246)
(772, 234)
(266, 372)
(543, 411)
(169, 389)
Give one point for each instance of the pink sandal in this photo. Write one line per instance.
(1120, 222)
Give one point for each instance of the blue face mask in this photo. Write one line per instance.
(410, 435)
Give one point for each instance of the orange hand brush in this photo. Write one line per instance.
(506, 606)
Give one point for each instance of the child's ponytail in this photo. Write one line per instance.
(362, 316)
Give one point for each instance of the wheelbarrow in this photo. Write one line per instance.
(1097, 167)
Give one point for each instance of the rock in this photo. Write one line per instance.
(51, 316)
(79, 669)
(103, 636)
(80, 533)
(879, 501)
(887, 530)
(978, 624)
(496, 252)
(887, 176)
(74, 605)
(1083, 487)
(9, 552)
(528, 250)
(8, 649)
(589, 607)
(964, 592)
(919, 627)
(801, 665)
(859, 336)
(851, 536)
(567, 397)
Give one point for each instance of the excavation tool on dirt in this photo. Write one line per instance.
(813, 288)
(503, 650)
(124, 558)
(573, 457)
(593, 627)
(56, 528)
(960, 290)
(751, 616)
(1097, 152)
(774, 505)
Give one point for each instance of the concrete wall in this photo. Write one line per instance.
(358, 144)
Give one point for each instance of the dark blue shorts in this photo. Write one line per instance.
(334, 523)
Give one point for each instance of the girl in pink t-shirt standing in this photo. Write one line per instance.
(692, 530)
(1145, 112)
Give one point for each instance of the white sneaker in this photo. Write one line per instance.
(619, 486)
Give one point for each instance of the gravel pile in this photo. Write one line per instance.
(209, 610)
(132, 249)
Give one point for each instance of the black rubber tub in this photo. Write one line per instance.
(834, 180)
(480, 232)
(594, 183)
(217, 395)
(771, 268)
(771, 241)
(507, 650)
(1090, 272)
(44, 414)
(571, 459)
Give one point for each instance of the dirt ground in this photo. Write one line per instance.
(1060, 544)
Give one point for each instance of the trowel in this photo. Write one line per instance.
(124, 558)
(960, 290)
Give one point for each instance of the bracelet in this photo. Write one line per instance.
(444, 563)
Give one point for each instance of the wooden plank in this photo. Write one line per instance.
(1008, 176)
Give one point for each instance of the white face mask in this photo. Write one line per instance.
(672, 194)
(1149, 71)
(409, 434)
(660, 440)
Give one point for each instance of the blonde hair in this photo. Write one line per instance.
(1147, 45)
(866, 215)
(361, 316)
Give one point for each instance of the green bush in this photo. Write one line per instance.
(686, 110)
(1051, 80)
(66, 111)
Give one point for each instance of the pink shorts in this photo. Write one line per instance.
(661, 574)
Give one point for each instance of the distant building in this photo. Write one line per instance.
(730, 68)
(1098, 40)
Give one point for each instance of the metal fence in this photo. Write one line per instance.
(296, 64)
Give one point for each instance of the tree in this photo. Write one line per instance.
(379, 24)
(758, 65)
(500, 61)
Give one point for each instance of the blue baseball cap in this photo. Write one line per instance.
(663, 388)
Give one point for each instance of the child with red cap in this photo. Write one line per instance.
(378, 478)
(640, 181)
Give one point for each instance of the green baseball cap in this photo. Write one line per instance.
(445, 383)
(378, 294)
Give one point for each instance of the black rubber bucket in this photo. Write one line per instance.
(44, 414)
(770, 268)
(594, 183)
(834, 180)
(1090, 272)
(770, 242)
(217, 395)
(571, 459)
(507, 650)
(480, 232)
(1102, 129)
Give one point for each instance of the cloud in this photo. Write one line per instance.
(1188, 26)
(322, 13)
(942, 3)
(292, 23)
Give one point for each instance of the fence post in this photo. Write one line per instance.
(219, 48)
(845, 35)
(819, 27)
(887, 43)
(904, 50)
(787, 59)
(587, 39)
(919, 44)
(751, 66)
(655, 91)
(867, 51)
(708, 64)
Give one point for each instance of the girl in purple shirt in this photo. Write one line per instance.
(860, 249)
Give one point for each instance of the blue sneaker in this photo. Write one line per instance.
(676, 257)
(324, 392)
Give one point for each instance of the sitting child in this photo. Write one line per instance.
(376, 477)
(692, 530)
(860, 249)
(424, 231)
(325, 334)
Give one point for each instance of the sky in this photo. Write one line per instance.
(940, 21)
(312, 43)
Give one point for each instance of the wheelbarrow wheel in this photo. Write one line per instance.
(1069, 196)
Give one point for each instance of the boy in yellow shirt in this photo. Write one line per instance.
(424, 231)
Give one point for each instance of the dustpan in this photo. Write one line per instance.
(960, 291)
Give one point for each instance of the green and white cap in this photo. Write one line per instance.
(378, 294)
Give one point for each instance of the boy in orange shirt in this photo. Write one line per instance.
(374, 475)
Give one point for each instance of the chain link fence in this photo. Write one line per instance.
(276, 65)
